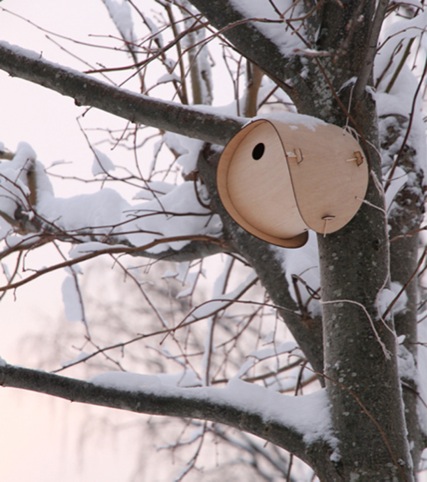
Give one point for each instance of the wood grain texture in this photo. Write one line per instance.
(329, 174)
(258, 193)
(277, 180)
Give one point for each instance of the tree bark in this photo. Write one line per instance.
(174, 402)
(359, 346)
(246, 37)
(358, 357)
(405, 218)
(85, 90)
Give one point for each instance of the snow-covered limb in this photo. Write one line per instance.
(403, 146)
(175, 225)
(298, 424)
(201, 245)
(85, 90)
(238, 26)
(120, 14)
(200, 70)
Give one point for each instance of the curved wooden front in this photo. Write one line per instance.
(255, 186)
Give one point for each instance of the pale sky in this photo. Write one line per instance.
(38, 441)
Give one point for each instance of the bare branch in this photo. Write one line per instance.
(371, 49)
(208, 244)
(138, 108)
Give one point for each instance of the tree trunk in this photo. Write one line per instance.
(359, 346)
(361, 370)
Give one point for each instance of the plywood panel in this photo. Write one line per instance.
(329, 173)
(254, 185)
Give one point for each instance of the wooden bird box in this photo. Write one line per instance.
(279, 179)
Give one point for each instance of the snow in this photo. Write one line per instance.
(187, 149)
(177, 213)
(99, 212)
(294, 120)
(387, 296)
(121, 15)
(304, 263)
(270, 22)
(19, 50)
(406, 364)
(135, 381)
(154, 189)
(102, 164)
(168, 78)
(13, 179)
(308, 415)
(156, 34)
(399, 100)
(172, 211)
(394, 34)
(71, 299)
(398, 180)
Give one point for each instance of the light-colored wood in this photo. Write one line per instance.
(254, 192)
(331, 179)
(279, 179)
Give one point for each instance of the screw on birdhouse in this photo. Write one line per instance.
(326, 218)
(296, 154)
(358, 158)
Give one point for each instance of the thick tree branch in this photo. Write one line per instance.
(353, 279)
(244, 35)
(201, 403)
(365, 74)
(405, 217)
(85, 90)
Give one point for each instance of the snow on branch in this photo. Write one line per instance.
(399, 91)
(299, 424)
(275, 23)
(189, 121)
(278, 43)
(194, 247)
(176, 225)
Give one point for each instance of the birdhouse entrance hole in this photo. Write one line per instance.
(258, 151)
